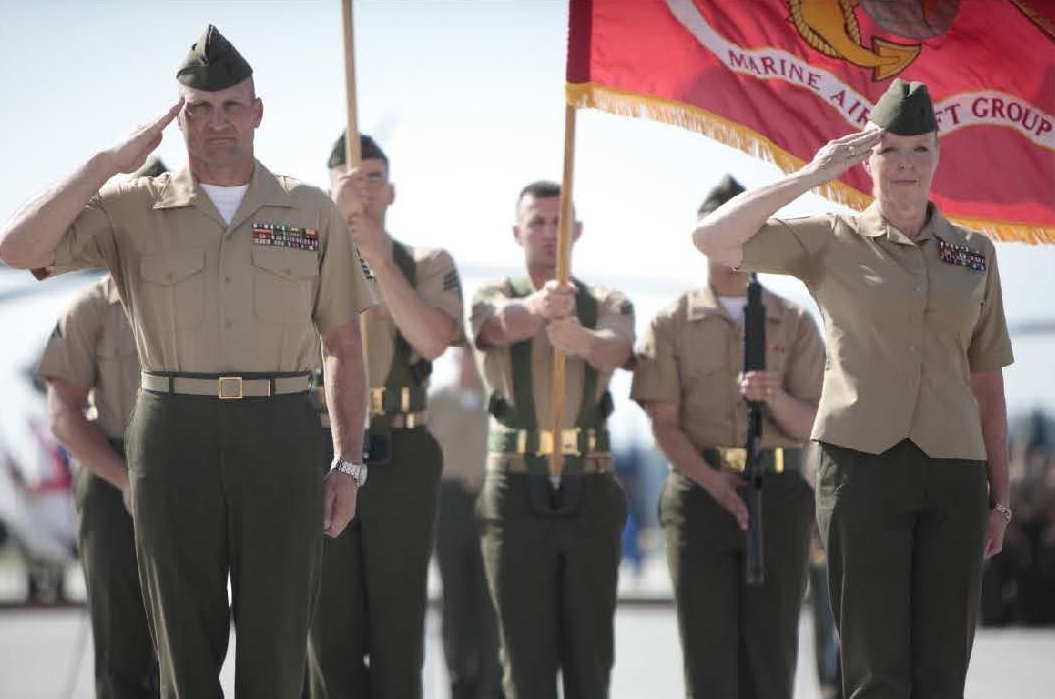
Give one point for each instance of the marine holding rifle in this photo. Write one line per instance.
(738, 640)
(551, 546)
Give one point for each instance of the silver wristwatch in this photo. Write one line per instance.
(1002, 510)
(356, 471)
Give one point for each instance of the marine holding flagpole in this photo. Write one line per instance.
(912, 483)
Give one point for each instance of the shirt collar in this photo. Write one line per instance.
(264, 190)
(703, 303)
(871, 224)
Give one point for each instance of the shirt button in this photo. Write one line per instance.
(227, 280)
(228, 324)
(911, 350)
(919, 289)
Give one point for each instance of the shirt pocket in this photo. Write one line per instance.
(173, 287)
(704, 371)
(283, 284)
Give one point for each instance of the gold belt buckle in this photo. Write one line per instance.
(404, 399)
(377, 400)
(569, 442)
(234, 383)
(411, 420)
(735, 458)
(545, 443)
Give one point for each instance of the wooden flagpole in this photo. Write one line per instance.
(351, 142)
(353, 156)
(563, 276)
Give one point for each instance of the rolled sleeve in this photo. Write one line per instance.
(485, 304)
(441, 287)
(656, 376)
(616, 314)
(784, 246)
(90, 242)
(70, 352)
(344, 291)
(990, 346)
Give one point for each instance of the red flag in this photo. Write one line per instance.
(779, 78)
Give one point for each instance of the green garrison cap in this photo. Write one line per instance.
(213, 64)
(905, 109)
(368, 150)
(723, 192)
(151, 168)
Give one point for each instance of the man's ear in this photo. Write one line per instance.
(258, 111)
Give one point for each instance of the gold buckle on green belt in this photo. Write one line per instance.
(547, 442)
(736, 458)
(377, 400)
(569, 442)
(230, 388)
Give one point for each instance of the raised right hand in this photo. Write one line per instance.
(837, 156)
(553, 300)
(129, 155)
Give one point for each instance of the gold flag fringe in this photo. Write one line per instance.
(631, 104)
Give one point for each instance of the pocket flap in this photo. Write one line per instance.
(286, 263)
(173, 266)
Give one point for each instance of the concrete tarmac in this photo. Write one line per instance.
(46, 654)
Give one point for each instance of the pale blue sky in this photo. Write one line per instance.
(466, 98)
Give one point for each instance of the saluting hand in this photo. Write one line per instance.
(129, 155)
(553, 300)
(722, 486)
(340, 494)
(839, 155)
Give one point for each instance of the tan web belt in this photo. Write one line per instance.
(225, 387)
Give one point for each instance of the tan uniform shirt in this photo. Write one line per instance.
(204, 296)
(438, 284)
(461, 431)
(92, 347)
(692, 355)
(614, 313)
(906, 324)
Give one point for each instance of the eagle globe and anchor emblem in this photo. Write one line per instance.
(832, 27)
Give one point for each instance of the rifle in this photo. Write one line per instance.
(754, 360)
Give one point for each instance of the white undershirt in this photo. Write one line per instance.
(226, 199)
(734, 305)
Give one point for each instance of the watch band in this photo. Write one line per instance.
(356, 471)
(1003, 510)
